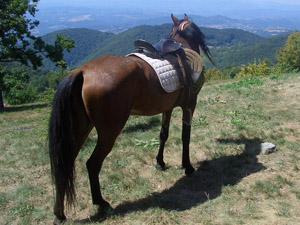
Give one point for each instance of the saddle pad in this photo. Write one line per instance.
(166, 73)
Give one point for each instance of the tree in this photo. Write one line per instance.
(17, 44)
(288, 57)
(17, 90)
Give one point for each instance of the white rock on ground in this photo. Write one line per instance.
(267, 148)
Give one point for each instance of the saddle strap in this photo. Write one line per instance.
(190, 62)
(185, 70)
(195, 62)
(185, 77)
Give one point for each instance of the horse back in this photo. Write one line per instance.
(126, 85)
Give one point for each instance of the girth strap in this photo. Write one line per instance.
(190, 62)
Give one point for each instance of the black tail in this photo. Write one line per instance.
(61, 140)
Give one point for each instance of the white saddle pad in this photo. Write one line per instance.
(166, 73)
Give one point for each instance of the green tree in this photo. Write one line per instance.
(288, 57)
(17, 44)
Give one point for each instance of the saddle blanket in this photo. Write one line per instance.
(166, 73)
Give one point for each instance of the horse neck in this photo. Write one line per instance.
(188, 44)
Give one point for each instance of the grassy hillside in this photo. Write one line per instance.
(234, 184)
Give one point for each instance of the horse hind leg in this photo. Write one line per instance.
(68, 128)
(106, 139)
(94, 165)
(164, 134)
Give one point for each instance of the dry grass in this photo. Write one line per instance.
(234, 183)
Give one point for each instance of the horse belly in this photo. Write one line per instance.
(150, 97)
(150, 103)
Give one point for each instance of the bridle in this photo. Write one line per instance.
(179, 27)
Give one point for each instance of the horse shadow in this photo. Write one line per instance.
(210, 177)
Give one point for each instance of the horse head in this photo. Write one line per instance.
(189, 35)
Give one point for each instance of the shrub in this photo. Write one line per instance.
(256, 69)
(213, 74)
(231, 72)
(47, 95)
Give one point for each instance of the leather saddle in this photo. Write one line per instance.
(159, 49)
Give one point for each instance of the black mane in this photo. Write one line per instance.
(193, 32)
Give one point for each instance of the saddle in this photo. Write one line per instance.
(161, 48)
(169, 49)
(187, 62)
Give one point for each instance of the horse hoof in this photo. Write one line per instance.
(105, 208)
(189, 172)
(161, 167)
(58, 221)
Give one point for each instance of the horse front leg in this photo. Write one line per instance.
(164, 134)
(186, 164)
(186, 136)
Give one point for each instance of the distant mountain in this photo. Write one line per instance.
(117, 20)
(122, 43)
(230, 47)
(86, 40)
(262, 26)
(238, 55)
(229, 37)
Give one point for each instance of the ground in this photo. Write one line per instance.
(233, 184)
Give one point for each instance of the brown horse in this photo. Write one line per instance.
(102, 94)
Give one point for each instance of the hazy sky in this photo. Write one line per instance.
(230, 8)
(170, 2)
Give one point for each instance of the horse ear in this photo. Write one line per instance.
(175, 20)
(186, 17)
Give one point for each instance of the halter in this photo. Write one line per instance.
(180, 27)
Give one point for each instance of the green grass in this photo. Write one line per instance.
(234, 183)
(246, 82)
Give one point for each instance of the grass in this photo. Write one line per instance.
(234, 183)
